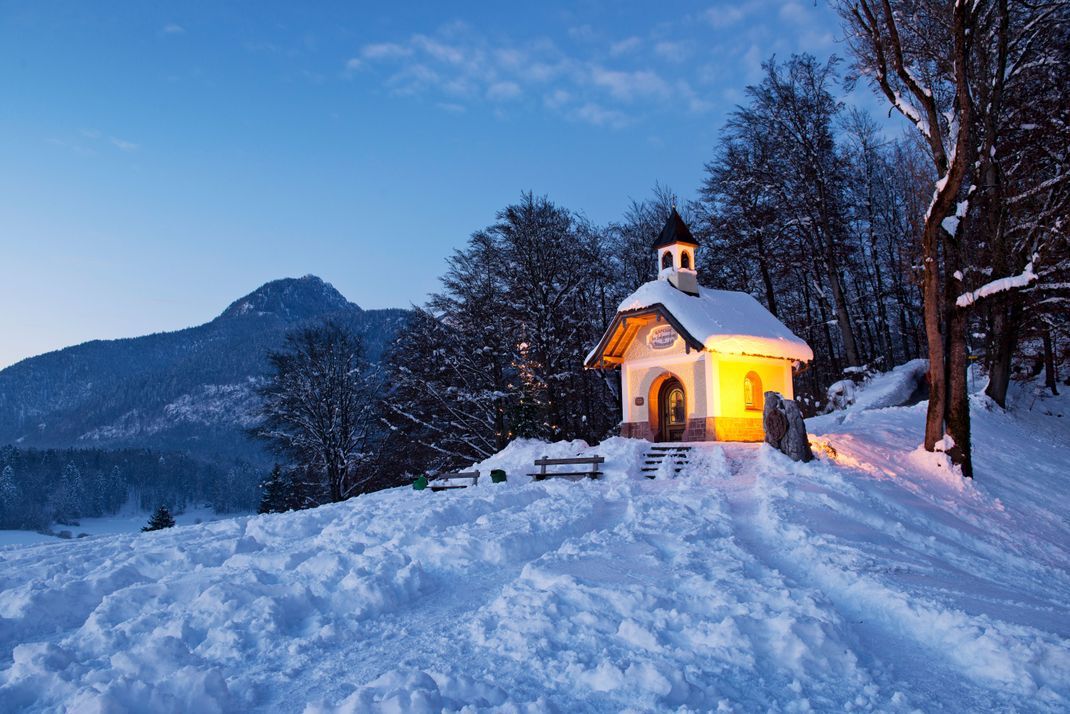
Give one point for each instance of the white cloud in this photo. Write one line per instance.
(544, 71)
(500, 91)
(627, 86)
(593, 83)
(173, 28)
(672, 51)
(625, 46)
(451, 107)
(413, 79)
(583, 33)
(724, 15)
(384, 51)
(76, 148)
(509, 57)
(692, 99)
(594, 113)
(733, 95)
(794, 13)
(817, 41)
(439, 50)
(557, 98)
(123, 145)
(752, 63)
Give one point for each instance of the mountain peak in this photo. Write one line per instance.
(290, 299)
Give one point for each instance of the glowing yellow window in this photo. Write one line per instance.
(752, 391)
(676, 406)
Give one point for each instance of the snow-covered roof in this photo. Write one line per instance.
(723, 321)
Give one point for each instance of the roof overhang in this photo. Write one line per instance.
(609, 352)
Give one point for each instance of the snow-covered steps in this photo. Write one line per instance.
(658, 456)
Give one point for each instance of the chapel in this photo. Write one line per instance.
(695, 362)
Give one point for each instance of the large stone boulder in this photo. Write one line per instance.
(785, 429)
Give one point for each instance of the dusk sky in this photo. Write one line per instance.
(161, 160)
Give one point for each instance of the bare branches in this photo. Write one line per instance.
(317, 406)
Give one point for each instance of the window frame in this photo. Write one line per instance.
(752, 382)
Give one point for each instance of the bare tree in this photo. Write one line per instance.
(318, 408)
(917, 52)
(984, 84)
(1020, 210)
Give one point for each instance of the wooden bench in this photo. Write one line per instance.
(442, 482)
(592, 472)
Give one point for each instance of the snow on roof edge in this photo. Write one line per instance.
(724, 321)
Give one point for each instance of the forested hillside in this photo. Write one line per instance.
(192, 390)
(41, 487)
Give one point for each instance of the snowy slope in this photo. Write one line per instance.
(876, 581)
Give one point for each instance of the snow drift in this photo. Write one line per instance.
(877, 581)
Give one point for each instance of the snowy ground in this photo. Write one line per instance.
(129, 521)
(875, 581)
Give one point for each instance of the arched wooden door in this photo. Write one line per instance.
(672, 417)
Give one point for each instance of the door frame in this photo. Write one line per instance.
(665, 429)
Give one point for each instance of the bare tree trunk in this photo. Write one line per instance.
(843, 319)
(1005, 341)
(958, 399)
(1050, 378)
(930, 288)
(957, 415)
(767, 279)
(837, 367)
(871, 342)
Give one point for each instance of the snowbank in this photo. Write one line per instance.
(889, 389)
(877, 581)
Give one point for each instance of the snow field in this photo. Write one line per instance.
(872, 581)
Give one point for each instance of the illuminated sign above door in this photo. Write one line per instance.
(662, 337)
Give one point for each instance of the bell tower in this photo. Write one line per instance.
(675, 248)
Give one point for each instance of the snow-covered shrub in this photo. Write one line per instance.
(840, 395)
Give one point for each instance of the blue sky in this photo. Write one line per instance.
(158, 160)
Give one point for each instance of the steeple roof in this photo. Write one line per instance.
(675, 231)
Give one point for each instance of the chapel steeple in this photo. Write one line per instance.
(675, 247)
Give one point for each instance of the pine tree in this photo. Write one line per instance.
(275, 495)
(116, 490)
(9, 496)
(68, 506)
(526, 419)
(160, 519)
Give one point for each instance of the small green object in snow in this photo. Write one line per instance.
(419, 484)
(497, 476)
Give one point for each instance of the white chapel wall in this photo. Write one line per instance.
(638, 377)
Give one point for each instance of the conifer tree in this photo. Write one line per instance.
(9, 496)
(161, 519)
(116, 490)
(68, 505)
(275, 497)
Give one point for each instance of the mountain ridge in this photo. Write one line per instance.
(191, 389)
